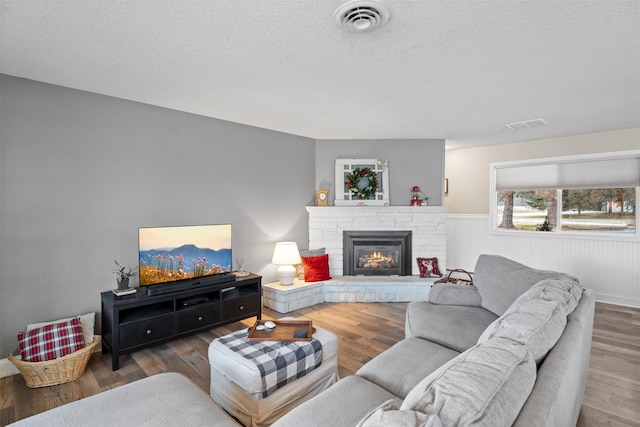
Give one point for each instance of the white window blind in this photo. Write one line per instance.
(621, 171)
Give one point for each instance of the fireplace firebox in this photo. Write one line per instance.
(376, 253)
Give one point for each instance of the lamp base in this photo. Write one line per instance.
(286, 274)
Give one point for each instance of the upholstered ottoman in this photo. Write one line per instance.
(237, 383)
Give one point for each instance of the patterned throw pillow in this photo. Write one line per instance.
(87, 321)
(306, 254)
(316, 268)
(428, 267)
(51, 341)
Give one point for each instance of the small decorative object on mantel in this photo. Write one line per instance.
(322, 197)
(123, 273)
(417, 197)
(362, 182)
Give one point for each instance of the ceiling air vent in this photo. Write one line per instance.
(525, 125)
(361, 15)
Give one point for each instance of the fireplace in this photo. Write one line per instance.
(376, 253)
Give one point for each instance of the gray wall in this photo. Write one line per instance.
(81, 172)
(411, 162)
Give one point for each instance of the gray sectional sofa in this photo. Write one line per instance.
(511, 350)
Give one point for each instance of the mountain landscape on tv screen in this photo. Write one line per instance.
(184, 262)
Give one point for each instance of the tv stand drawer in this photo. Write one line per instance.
(146, 331)
(240, 307)
(198, 317)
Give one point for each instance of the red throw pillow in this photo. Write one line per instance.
(428, 267)
(51, 341)
(316, 268)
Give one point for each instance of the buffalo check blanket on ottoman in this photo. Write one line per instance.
(258, 382)
(279, 362)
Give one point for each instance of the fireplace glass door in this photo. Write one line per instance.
(377, 259)
(377, 253)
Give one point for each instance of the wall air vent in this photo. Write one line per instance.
(358, 16)
(527, 124)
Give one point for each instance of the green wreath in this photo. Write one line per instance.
(363, 183)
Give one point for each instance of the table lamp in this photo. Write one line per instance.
(285, 255)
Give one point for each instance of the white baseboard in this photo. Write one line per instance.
(7, 368)
(611, 299)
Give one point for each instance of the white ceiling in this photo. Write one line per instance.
(457, 70)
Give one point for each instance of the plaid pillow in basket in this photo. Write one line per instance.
(51, 341)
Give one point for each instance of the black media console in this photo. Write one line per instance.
(134, 322)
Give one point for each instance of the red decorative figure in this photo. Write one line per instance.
(416, 194)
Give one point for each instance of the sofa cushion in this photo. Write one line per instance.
(455, 294)
(404, 365)
(388, 414)
(501, 281)
(486, 385)
(536, 324)
(454, 327)
(538, 317)
(566, 290)
(343, 404)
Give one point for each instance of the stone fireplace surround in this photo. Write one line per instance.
(326, 226)
(426, 223)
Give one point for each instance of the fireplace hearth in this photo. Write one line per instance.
(376, 253)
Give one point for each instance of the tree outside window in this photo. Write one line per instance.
(599, 209)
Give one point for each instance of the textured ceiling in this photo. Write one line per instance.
(457, 70)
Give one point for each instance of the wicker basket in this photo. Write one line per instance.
(57, 371)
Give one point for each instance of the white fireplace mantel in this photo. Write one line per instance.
(427, 224)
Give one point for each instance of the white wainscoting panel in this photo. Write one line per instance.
(608, 265)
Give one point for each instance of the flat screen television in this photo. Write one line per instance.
(183, 253)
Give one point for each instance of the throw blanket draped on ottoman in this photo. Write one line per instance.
(279, 362)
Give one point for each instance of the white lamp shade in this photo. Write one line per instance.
(286, 253)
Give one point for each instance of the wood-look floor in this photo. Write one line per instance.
(364, 330)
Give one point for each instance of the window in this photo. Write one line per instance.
(568, 195)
